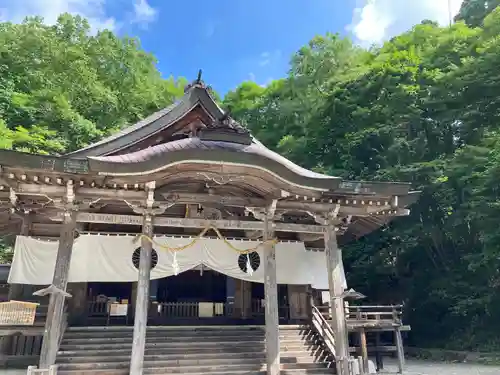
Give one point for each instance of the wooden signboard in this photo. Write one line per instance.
(206, 309)
(118, 309)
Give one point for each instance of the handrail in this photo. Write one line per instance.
(326, 332)
(62, 327)
(356, 313)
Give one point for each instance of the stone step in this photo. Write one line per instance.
(289, 357)
(169, 368)
(175, 329)
(215, 339)
(76, 350)
(160, 361)
(186, 346)
(238, 350)
(156, 371)
(190, 334)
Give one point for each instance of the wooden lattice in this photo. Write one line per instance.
(17, 313)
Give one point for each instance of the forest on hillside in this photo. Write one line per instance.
(423, 108)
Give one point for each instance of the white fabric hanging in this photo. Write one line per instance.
(103, 258)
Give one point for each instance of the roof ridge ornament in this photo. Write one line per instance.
(198, 82)
(226, 129)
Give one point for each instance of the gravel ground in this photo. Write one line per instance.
(412, 368)
(415, 367)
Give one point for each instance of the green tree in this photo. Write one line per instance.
(422, 108)
(62, 83)
(473, 12)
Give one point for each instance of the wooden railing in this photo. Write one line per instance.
(376, 313)
(174, 310)
(97, 308)
(390, 314)
(325, 331)
(190, 309)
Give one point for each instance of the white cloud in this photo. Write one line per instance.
(209, 28)
(377, 20)
(267, 58)
(92, 10)
(144, 13)
(95, 11)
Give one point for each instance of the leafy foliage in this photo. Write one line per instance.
(62, 88)
(422, 108)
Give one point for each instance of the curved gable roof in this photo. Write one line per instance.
(195, 95)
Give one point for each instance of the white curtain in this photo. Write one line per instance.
(109, 258)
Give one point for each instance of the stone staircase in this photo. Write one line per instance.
(235, 350)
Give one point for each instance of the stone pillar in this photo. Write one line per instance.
(334, 269)
(142, 300)
(271, 302)
(54, 322)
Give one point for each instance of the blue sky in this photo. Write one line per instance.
(236, 40)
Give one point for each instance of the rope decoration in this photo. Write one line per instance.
(141, 236)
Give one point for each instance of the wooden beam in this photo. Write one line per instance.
(88, 217)
(81, 192)
(335, 276)
(356, 209)
(271, 302)
(38, 189)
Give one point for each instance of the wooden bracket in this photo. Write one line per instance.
(52, 289)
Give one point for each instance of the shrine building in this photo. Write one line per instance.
(184, 219)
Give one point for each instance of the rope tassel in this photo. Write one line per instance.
(199, 237)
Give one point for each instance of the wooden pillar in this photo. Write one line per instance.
(242, 299)
(271, 302)
(364, 349)
(142, 300)
(238, 300)
(16, 291)
(246, 294)
(378, 355)
(77, 305)
(400, 349)
(153, 290)
(50, 343)
(334, 269)
(298, 296)
(230, 292)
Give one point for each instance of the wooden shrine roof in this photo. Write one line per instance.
(184, 147)
(196, 95)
